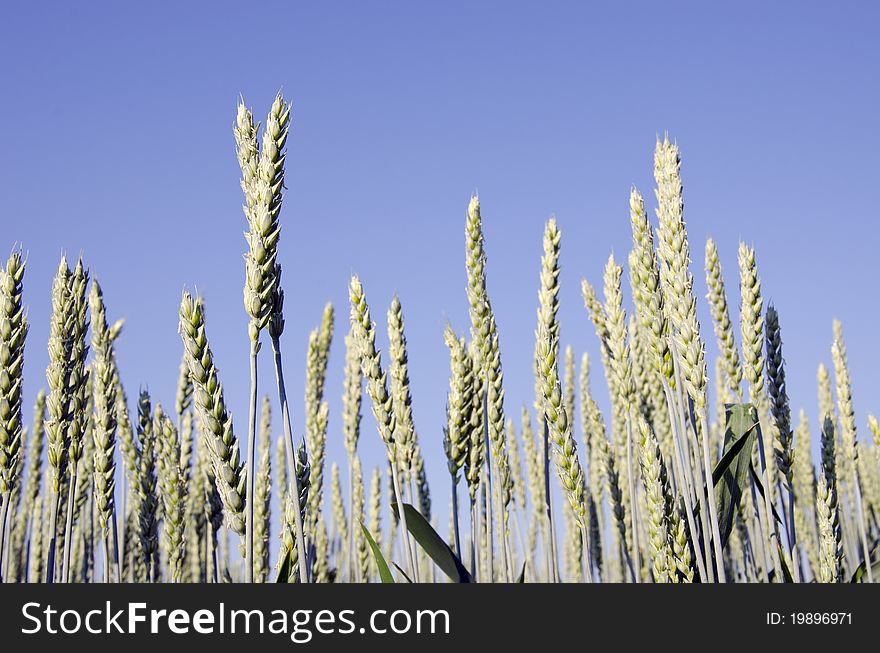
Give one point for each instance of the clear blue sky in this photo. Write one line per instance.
(117, 143)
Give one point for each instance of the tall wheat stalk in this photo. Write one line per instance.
(849, 440)
(377, 388)
(353, 387)
(262, 182)
(13, 332)
(78, 381)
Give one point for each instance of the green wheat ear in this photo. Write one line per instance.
(214, 421)
(13, 331)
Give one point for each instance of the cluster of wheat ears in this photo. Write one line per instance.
(667, 489)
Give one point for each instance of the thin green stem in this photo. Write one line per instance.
(291, 464)
(251, 468)
(710, 491)
(68, 527)
(633, 502)
(685, 481)
(407, 544)
(455, 527)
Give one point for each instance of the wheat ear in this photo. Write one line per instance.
(104, 432)
(720, 310)
(752, 330)
(263, 189)
(78, 392)
(848, 434)
(293, 521)
(805, 492)
(13, 331)
(58, 400)
(568, 466)
(827, 512)
(781, 413)
(215, 422)
(352, 394)
(459, 406)
(377, 389)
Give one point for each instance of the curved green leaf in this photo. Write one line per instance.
(731, 473)
(434, 545)
(402, 572)
(384, 572)
(284, 569)
(862, 569)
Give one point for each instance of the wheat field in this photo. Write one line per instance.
(698, 473)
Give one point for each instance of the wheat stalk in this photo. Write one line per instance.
(172, 491)
(830, 547)
(263, 494)
(752, 329)
(622, 385)
(362, 549)
(377, 389)
(104, 433)
(781, 413)
(568, 466)
(488, 377)
(591, 425)
(293, 521)
(78, 390)
(351, 426)
(375, 507)
(717, 297)
(459, 409)
(337, 504)
(13, 332)
(655, 495)
(401, 397)
(316, 432)
(183, 398)
(262, 183)
(804, 477)
(33, 477)
(146, 494)
(848, 435)
(58, 400)
(296, 511)
(215, 422)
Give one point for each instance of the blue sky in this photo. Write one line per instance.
(118, 144)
